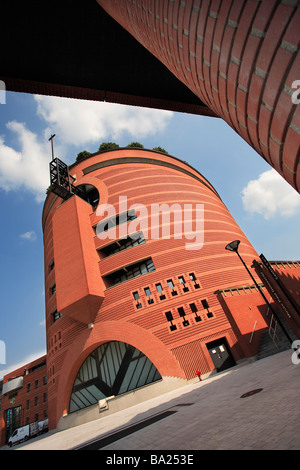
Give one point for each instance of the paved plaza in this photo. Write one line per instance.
(209, 415)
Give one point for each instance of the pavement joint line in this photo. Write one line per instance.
(124, 431)
(135, 427)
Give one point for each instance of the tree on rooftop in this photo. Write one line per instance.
(135, 145)
(160, 149)
(82, 155)
(108, 146)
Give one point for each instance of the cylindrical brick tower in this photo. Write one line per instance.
(240, 57)
(132, 300)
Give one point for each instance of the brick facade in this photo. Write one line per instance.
(239, 57)
(172, 324)
(29, 396)
(176, 315)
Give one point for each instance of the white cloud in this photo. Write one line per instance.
(27, 169)
(79, 122)
(31, 236)
(270, 195)
(75, 122)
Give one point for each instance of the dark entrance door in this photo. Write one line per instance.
(221, 355)
(13, 420)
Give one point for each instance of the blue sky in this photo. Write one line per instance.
(263, 204)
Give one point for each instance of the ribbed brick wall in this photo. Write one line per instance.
(240, 57)
(146, 177)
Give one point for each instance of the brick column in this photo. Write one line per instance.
(240, 57)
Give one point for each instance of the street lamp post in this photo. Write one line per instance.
(233, 246)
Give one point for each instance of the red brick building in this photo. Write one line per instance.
(137, 297)
(24, 397)
(129, 304)
(234, 59)
(241, 58)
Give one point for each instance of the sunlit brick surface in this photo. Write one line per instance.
(170, 313)
(239, 57)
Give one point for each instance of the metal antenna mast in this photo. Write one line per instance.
(52, 148)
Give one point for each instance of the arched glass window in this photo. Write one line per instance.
(90, 194)
(112, 369)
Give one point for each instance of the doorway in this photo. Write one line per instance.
(221, 355)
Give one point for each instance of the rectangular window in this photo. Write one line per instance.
(182, 282)
(204, 303)
(182, 314)
(169, 317)
(171, 286)
(158, 287)
(193, 278)
(115, 221)
(193, 308)
(53, 289)
(181, 311)
(137, 299)
(160, 291)
(148, 294)
(56, 315)
(136, 296)
(122, 244)
(129, 272)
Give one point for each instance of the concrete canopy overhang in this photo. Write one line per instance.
(75, 49)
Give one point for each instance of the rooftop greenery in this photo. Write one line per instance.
(111, 146)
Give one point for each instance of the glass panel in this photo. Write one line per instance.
(113, 360)
(147, 291)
